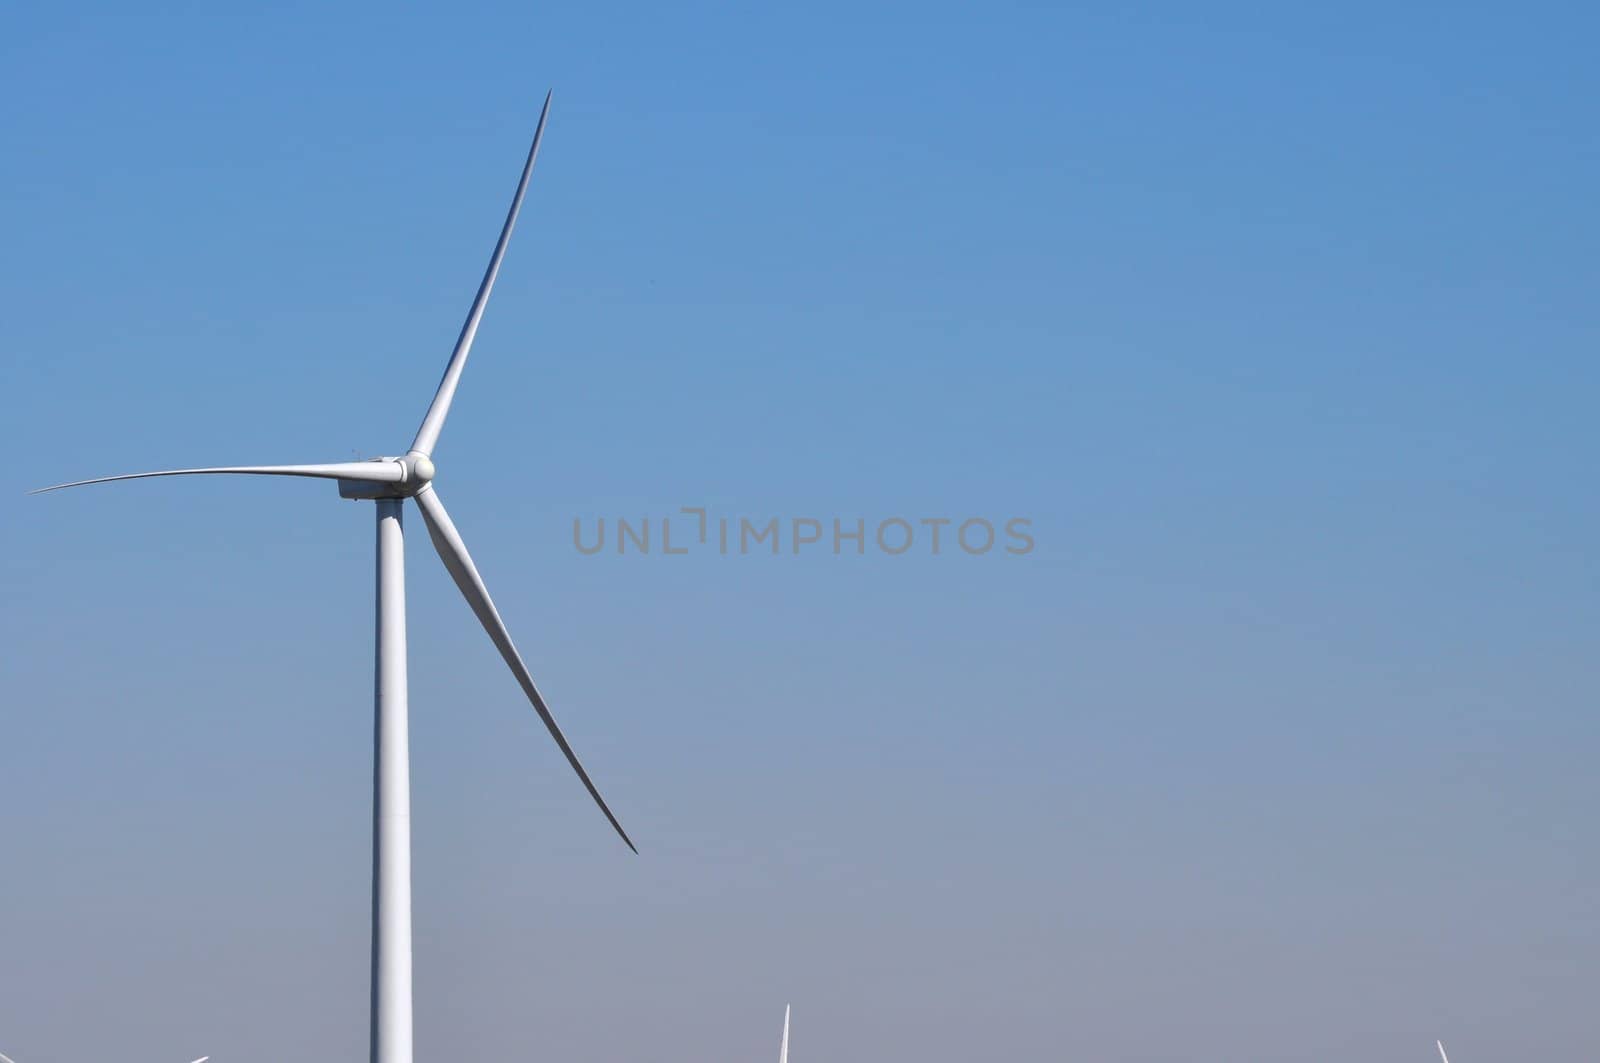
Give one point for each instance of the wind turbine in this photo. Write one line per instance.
(1441, 1051)
(783, 1049)
(7, 1059)
(388, 482)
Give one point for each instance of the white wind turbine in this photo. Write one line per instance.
(389, 482)
(202, 1059)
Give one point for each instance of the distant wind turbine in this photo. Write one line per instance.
(389, 481)
(7, 1059)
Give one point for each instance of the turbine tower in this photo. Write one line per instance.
(388, 482)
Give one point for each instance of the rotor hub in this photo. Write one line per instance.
(419, 468)
(413, 473)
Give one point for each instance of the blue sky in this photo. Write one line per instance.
(1279, 326)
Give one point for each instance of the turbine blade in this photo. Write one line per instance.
(439, 409)
(1441, 1051)
(5, 1059)
(783, 1051)
(388, 472)
(453, 552)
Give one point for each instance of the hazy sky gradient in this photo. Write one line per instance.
(1281, 329)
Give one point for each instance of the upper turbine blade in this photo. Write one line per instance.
(453, 551)
(388, 472)
(433, 421)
